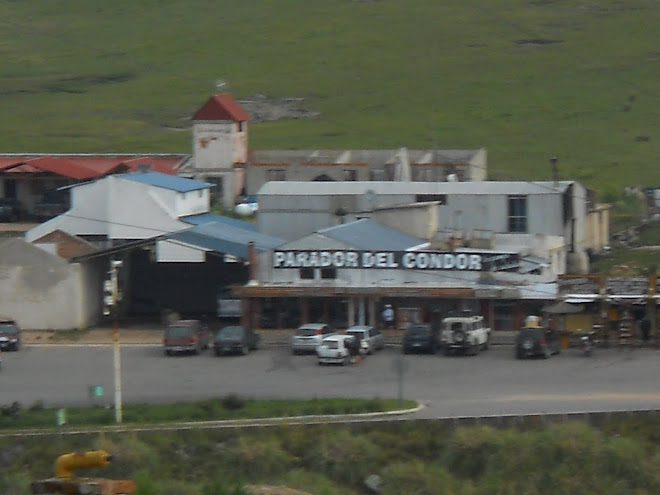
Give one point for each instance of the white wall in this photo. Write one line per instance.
(170, 251)
(213, 144)
(124, 209)
(43, 291)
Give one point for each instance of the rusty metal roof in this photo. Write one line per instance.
(221, 107)
(87, 166)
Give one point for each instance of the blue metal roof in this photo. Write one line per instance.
(203, 218)
(172, 182)
(369, 235)
(226, 239)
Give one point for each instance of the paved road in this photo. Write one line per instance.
(491, 383)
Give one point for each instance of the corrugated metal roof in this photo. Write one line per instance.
(226, 239)
(286, 188)
(61, 166)
(171, 182)
(221, 107)
(203, 218)
(369, 235)
(99, 165)
(369, 157)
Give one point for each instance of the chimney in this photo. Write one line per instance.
(555, 172)
(252, 260)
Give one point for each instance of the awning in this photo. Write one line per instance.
(580, 298)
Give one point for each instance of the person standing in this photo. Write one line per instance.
(388, 316)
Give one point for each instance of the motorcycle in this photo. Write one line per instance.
(587, 343)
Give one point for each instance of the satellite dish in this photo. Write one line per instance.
(452, 178)
(220, 84)
(244, 209)
(369, 200)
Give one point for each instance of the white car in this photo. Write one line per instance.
(335, 350)
(309, 336)
(369, 337)
(463, 331)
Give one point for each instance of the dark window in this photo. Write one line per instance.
(350, 175)
(423, 198)
(307, 273)
(328, 273)
(518, 214)
(277, 174)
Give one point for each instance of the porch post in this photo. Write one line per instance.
(351, 311)
(372, 312)
(361, 312)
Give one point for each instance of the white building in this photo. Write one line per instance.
(129, 207)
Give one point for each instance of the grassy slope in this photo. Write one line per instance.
(86, 76)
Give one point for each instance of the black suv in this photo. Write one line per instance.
(235, 339)
(420, 337)
(10, 210)
(540, 341)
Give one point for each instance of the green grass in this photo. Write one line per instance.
(80, 76)
(229, 407)
(619, 458)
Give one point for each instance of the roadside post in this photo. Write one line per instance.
(111, 298)
(60, 421)
(400, 366)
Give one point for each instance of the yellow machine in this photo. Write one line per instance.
(64, 482)
(67, 463)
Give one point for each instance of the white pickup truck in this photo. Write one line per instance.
(464, 331)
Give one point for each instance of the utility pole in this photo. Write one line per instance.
(111, 298)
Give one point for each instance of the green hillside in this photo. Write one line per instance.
(525, 79)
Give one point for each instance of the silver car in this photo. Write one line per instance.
(309, 336)
(370, 338)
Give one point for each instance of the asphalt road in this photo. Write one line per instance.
(492, 383)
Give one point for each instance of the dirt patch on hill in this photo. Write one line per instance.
(262, 108)
(273, 490)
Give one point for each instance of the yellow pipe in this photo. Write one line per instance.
(67, 463)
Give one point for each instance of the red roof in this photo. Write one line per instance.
(85, 167)
(221, 107)
(61, 166)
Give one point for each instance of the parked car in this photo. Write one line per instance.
(10, 335)
(536, 340)
(53, 203)
(369, 338)
(10, 210)
(420, 337)
(337, 349)
(309, 336)
(189, 336)
(235, 339)
(464, 331)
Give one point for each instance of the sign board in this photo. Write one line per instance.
(578, 285)
(61, 417)
(627, 286)
(95, 391)
(398, 260)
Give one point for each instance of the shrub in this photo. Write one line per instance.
(233, 402)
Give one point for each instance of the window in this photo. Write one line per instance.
(350, 175)
(307, 273)
(422, 174)
(328, 273)
(423, 198)
(517, 213)
(275, 174)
